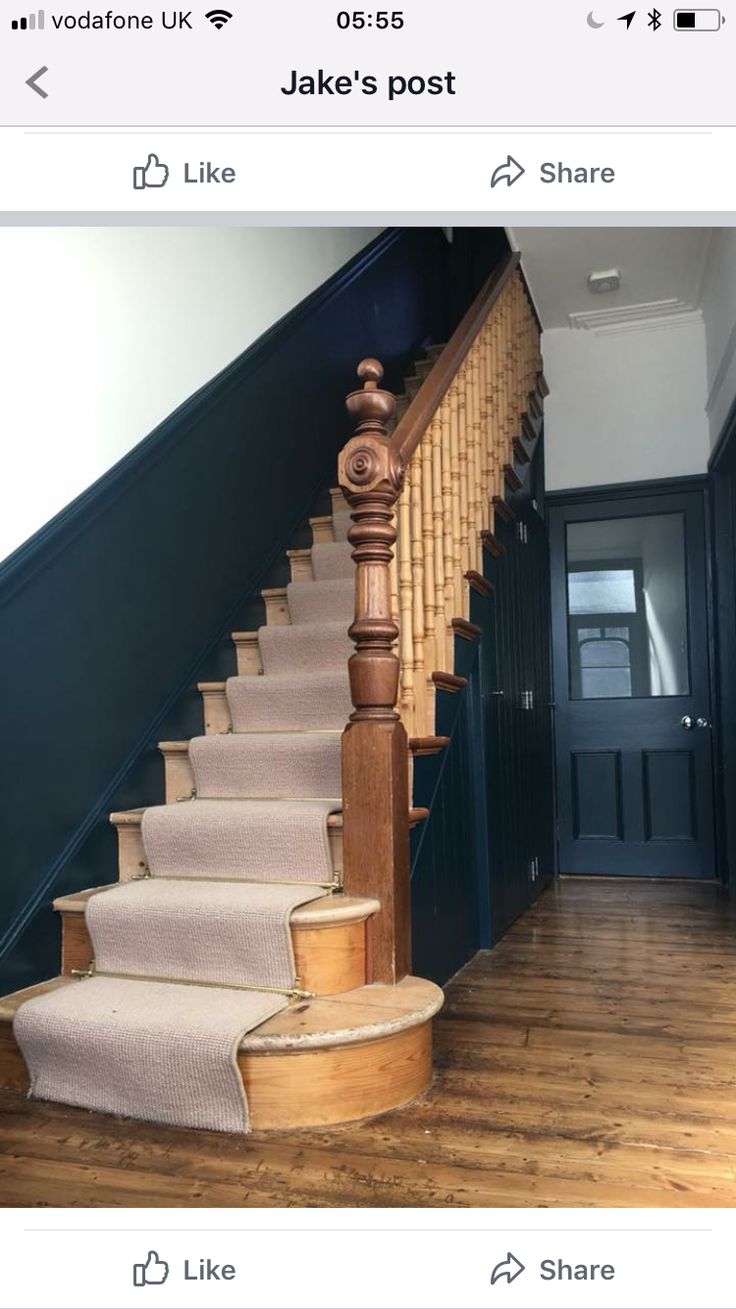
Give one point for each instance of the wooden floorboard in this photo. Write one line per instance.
(589, 1060)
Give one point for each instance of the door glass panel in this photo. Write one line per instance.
(627, 608)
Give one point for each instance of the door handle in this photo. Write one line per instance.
(689, 723)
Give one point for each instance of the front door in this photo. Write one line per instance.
(632, 687)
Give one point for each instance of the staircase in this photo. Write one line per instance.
(258, 938)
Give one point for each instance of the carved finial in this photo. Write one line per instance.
(371, 369)
(371, 408)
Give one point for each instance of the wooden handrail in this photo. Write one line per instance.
(412, 426)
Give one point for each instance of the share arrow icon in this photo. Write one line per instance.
(628, 19)
(511, 1268)
(508, 172)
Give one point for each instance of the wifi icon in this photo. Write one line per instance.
(218, 17)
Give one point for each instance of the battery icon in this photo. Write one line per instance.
(698, 20)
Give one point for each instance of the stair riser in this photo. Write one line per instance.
(322, 530)
(178, 775)
(311, 1088)
(339, 503)
(329, 959)
(319, 1088)
(132, 856)
(300, 563)
(248, 654)
(215, 708)
(277, 607)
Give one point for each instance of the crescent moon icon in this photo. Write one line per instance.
(592, 22)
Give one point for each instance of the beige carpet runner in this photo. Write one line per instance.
(193, 957)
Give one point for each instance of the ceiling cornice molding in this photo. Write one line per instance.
(652, 316)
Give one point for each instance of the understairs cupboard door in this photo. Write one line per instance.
(518, 718)
(632, 685)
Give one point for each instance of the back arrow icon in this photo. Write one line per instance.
(511, 1268)
(509, 172)
(33, 80)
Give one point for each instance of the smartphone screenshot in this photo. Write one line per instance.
(367, 655)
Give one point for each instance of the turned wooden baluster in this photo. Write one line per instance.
(406, 624)
(462, 441)
(417, 597)
(424, 455)
(434, 435)
(460, 589)
(375, 774)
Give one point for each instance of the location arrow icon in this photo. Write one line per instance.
(510, 1268)
(509, 172)
(628, 19)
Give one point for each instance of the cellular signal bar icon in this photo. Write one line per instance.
(34, 22)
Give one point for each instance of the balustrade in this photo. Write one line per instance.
(430, 488)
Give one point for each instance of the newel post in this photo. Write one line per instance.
(375, 773)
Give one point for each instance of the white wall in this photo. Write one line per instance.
(719, 311)
(625, 407)
(103, 332)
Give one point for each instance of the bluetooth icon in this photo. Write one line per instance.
(655, 18)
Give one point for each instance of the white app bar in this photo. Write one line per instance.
(353, 1259)
(486, 174)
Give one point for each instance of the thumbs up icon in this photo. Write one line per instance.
(154, 173)
(152, 1273)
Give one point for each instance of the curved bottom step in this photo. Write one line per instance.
(334, 1059)
(330, 939)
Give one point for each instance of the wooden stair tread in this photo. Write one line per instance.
(128, 817)
(424, 745)
(76, 901)
(512, 477)
(478, 582)
(368, 1013)
(134, 817)
(182, 747)
(10, 1004)
(492, 544)
(449, 682)
(465, 629)
(529, 431)
(504, 509)
(319, 913)
(520, 451)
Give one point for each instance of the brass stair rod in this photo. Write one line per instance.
(293, 992)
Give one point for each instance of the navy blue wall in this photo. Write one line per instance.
(111, 613)
(450, 913)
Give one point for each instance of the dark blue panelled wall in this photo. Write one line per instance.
(111, 613)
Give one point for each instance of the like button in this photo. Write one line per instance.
(152, 1273)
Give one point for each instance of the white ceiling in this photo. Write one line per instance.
(661, 270)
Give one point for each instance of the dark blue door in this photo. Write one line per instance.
(632, 687)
